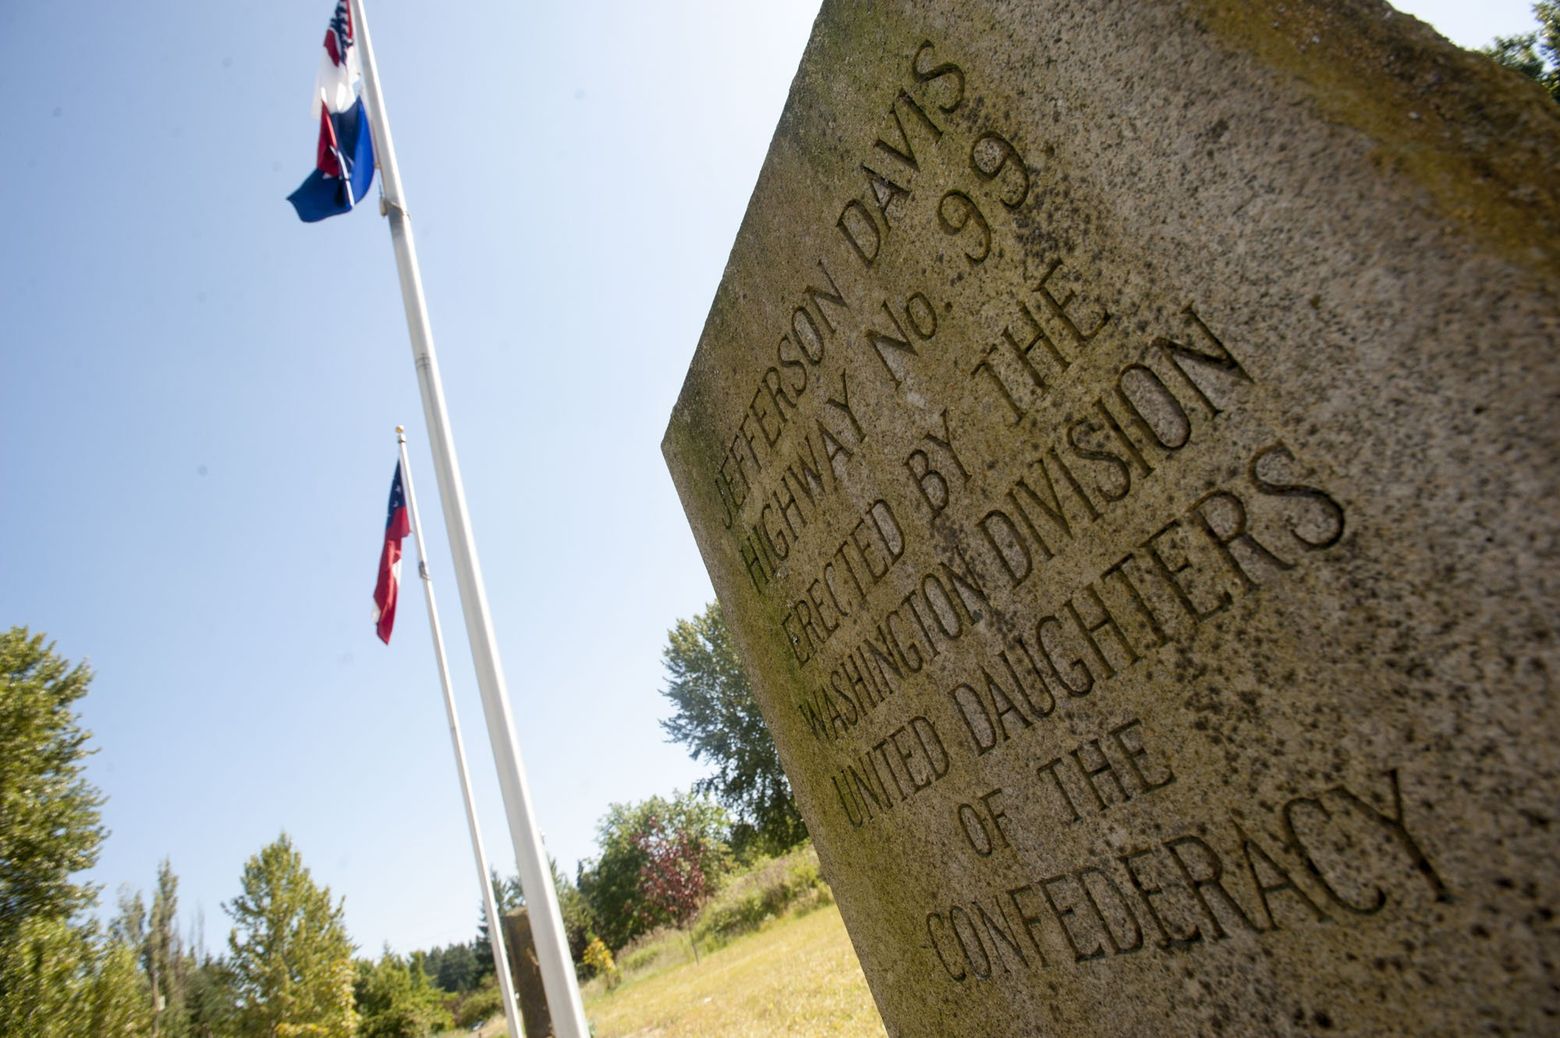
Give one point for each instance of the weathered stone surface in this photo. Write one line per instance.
(1124, 442)
(526, 973)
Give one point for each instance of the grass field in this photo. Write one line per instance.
(797, 976)
(773, 960)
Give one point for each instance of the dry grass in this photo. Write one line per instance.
(797, 976)
(774, 960)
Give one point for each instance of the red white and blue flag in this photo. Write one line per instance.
(344, 157)
(387, 589)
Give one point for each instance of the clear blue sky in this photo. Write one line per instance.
(199, 393)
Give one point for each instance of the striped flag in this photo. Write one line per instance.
(344, 155)
(387, 588)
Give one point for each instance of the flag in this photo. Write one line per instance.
(387, 589)
(344, 156)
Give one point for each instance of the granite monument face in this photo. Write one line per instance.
(1124, 443)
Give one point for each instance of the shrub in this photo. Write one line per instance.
(598, 957)
(482, 1004)
(771, 888)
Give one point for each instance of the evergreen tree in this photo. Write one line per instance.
(45, 977)
(290, 960)
(396, 999)
(578, 926)
(51, 820)
(163, 958)
(455, 968)
(60, 976)
(209, 1011)
(129, 926)
(117, 993)
(66, 981)
(507, 897)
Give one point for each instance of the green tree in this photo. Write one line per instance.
(1534, 54)
(396, 999)
(45, 967)
(718, 720)
(613, 883)
(507, 897)
(117, 993)
(163, 959)
(66, 981)
(579, 922)
(60, 976)
(456, 968)
(51, 819)
(209, 1008)
(129, 926)
(290, 960)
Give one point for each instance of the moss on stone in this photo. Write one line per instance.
(1482, 142)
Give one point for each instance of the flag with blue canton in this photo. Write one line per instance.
(387, 589)
(344, 155)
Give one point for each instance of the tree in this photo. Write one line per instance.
(163, 958)
(396, 999)
(615, 883)
(1535, 54)
(579, 922)
(59, 975)
(129, 926)
(718, 720)
(209, 1007)
(51, 819)
(457, 969)
(672, 877)
(507, 897)
(117, 992)
(46, 975)
(290, 960)
(65, 981)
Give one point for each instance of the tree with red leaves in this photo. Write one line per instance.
(661, 859)
(672, 879)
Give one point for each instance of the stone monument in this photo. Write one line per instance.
(1124, 443)
(526, 974)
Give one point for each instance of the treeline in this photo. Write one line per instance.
(288, 966)
(287, 970)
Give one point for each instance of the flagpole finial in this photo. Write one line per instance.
(400, 429)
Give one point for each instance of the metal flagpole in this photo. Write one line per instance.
(552, 948)
(495, 921)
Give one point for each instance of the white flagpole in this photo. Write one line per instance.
(495, 920)
(552, 948)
